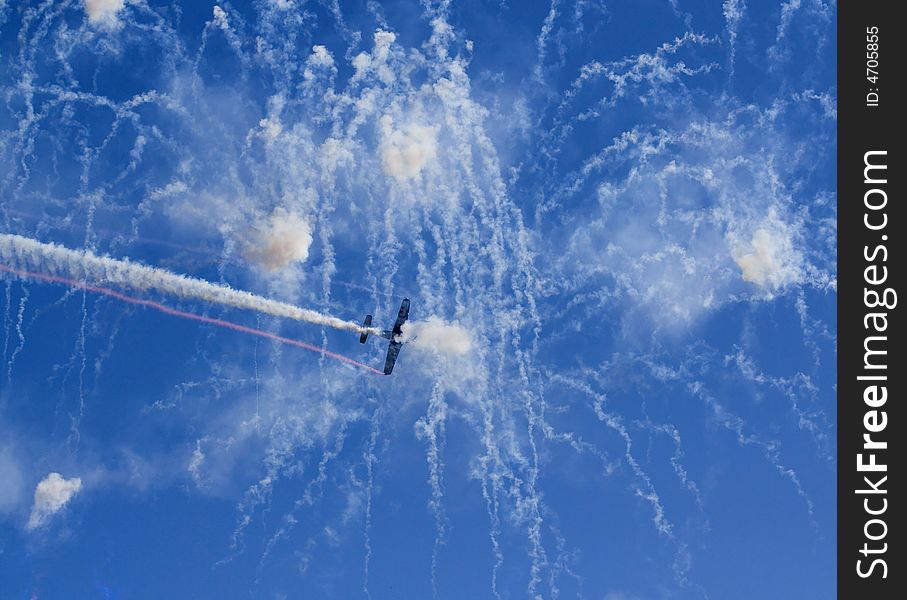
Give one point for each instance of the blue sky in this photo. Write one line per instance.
(616, 223)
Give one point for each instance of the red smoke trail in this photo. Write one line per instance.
(185, 315)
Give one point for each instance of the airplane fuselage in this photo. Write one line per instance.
(392, 335)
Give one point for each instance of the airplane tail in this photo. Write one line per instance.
(367, 323)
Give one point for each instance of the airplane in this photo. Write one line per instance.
(393, 348)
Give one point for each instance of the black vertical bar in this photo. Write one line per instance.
(870, 272)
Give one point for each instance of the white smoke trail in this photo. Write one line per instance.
(31, 255)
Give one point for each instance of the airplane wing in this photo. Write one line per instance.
(393, 349)
(401, 317)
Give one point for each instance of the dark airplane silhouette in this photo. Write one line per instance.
(393, 348)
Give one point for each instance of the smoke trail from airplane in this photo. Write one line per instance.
(210, 254)
(186, 315)
(82, 266)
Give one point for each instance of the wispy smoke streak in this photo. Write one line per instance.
(81, 265)
(186, 315)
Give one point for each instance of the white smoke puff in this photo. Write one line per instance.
(284, 240)
(769, 259)
(220, 18)
(435, 334)
(103, 12)
(319, 61)
(383, 41)
(51, 495)
(405, 151)
(320, 57)
(271, 128)
(376, 62)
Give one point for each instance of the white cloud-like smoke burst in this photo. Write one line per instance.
(285, 239)
(51, 495)
(405, 151)
(769, 258)
(103, 12)
(435, 334)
